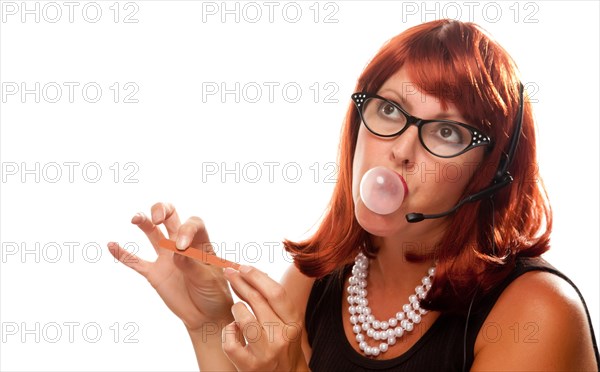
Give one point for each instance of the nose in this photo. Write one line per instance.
(406, 145)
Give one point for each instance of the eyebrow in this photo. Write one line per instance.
(405, 105)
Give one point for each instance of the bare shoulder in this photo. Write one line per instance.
(297, 287)
(538, 323)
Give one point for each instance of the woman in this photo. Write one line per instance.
(465, 290)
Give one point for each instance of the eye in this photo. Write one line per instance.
(440, 133)
(389, 111)
(449, 133)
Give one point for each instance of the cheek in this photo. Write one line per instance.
(369, 152)
(358, 163)
(449, 179)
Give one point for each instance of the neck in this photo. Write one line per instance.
(391, 270)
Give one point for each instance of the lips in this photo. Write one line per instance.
(403, 184)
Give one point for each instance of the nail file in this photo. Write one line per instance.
(200, 255)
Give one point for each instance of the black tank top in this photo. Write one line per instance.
(441, 348)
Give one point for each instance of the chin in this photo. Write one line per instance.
(379, 225)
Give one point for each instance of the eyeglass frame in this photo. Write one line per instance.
(478, 137)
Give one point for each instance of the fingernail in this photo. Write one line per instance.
(245, 269)
(112, 245)
(182, 243)
(137, 218)
(228, 271)
(156, 217)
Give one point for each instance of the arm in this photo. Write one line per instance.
(537, 324)
(298, 286)
(208, 342)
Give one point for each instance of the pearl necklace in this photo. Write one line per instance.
(362, 318)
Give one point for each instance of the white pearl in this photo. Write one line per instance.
(393, 322)
(353, 319)
(406, 308)
(417, 319)
(376, 335)
(375, 351)
(426, 281)
(409, 327)
(370, 318)
(376, 324)
(362, 345)
(419, 289)
(359, 309)
(370, 332)
(416, 305)
(362, 292)
(367, 310)
(360, 337)
(403, 323)
(411, 314)
(384, 325)
(356, 328)
(368, 350)
(391, 340)
(399, 331)
(361, 318)
(350, 299)
(352, 310)
(412, 299)
(390, 333)
(383, 347)
(366, 326)
(431, 271)
(399, 315)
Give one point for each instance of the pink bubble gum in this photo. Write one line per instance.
(382, 190)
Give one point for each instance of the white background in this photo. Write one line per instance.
(173, 135)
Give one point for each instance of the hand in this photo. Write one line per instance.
(197, 293)
(271, 340)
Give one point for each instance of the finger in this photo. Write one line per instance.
(129, 259)
(152, 231)
(273, 292)
(193, 232)
(262, 309)
(233, 345)
(166, 214)
(251, 329)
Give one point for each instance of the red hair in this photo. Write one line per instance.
(458, 63)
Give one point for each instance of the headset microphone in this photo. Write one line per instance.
(501, 178)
